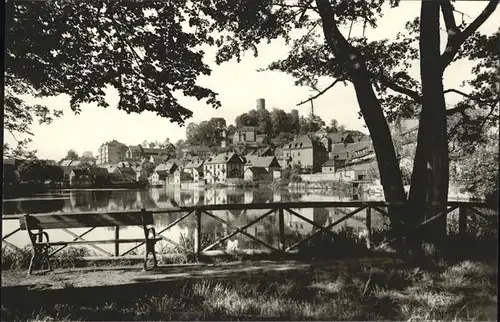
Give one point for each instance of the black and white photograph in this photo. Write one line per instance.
(258, 160)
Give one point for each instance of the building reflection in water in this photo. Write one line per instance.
(267, 229)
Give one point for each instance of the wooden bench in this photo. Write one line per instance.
(37, 226)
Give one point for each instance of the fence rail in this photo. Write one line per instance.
(276, 209)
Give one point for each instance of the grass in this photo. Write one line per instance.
(465, 291)
(455, 282)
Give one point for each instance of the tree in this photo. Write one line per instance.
(148, 168)
(295, 121)
(279, 121)
(378, 71)
(477, 171)
(264, 118)
(39, 171)
(192, 133)
(88, 157)
(333, 125)
(146, 79)
(129, 55)
(72, 155)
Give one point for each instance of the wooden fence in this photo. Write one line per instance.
(269, 209)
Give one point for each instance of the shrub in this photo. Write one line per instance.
(20, 259)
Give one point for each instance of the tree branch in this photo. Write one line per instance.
(323, 91)
(493, 107)
(449, 19)
(456, 40)
(471, 97)
(453, 111)
(305, 7)
(400, 89)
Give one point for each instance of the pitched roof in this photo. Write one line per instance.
(177, 162)
(80, 172)
(301, 142)
(194, 164)
(257, 170)
(76, 163)
(135, 148)
(335, 137)
(222, 158)
(262, 162)
(246, 129)
(125, 164)
(154, 150)
(98, 171)
(361, 166)
(200, 148)
(65, 163)
(329, 163)
(159, 159)
(109, 167)
(165, 168)
(346, 151)
(127, 170)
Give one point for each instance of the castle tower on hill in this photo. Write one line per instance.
(261, 104)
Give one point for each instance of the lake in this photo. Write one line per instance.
(113, 200)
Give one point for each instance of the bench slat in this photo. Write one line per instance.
(54, 221)
(107, 241)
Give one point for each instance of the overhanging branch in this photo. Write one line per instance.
(456, 40)
(322, 91)
(471, 97)
(386, 81)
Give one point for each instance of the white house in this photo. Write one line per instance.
(223, 167)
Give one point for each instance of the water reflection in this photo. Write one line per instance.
(266, 230)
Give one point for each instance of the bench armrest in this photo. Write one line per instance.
(148, 230)
(43, 234)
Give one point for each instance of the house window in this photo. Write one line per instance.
(298, 154)
(330, 169)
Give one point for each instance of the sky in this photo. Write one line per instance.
(239, 85)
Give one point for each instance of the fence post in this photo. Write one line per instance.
(117, 238)
(281, 223)
(462, 221)
(197, 234)
(369, 243)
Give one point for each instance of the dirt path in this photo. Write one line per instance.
(108, 276)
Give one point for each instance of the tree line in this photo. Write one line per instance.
(275, 123)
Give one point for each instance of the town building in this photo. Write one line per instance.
(79, 177)
(67, 166)
(306, 152)
(244, 134)
(285, 162)
(351, 162)
(260, 168)
(138, 152)
(111, 152)
(328, 166)
(162, 174)
(223, 167)
(200, 151)
(195, 169)
(256, 174)
(348, 152)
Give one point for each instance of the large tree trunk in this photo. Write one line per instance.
(390, 173)
(429, 184)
